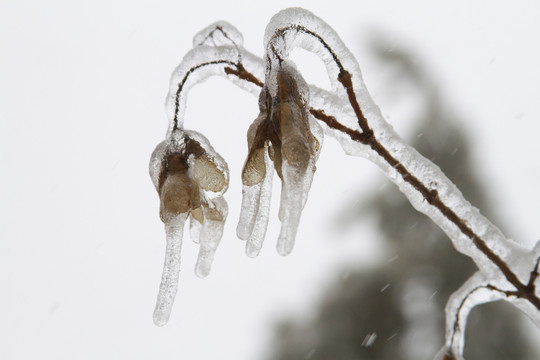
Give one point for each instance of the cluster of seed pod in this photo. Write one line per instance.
(282, 134)
(191, 178)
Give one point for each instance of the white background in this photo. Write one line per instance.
(82, 87)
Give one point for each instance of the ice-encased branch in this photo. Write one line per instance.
(349, 114)
(501, 261)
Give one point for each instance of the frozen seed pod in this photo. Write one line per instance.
(190, 178)
(281, 135)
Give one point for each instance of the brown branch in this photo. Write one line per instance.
(367, 137)
(456, 321)
(534, 274)
(243, 74)
(281, 33)
(332, 123)
(432, 197)
(183, 82)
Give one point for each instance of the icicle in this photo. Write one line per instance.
(258, 231)
(281, 134)
(174, 229)
(256, 195)
(248, 211)
(210, 236)
(297, 153)
(190, 178)
(292, 194)
(194, 229)
(253, 173)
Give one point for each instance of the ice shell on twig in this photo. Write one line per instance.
(217, 34)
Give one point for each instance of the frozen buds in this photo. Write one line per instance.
(285, 135)
(190, 178)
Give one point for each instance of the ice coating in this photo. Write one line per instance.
(503, 264)
(156, 161)
(298, 151)
(310, 39)
(281, 135)
(190, 178)
(249, 210)
(474, 292)
(174, 229)
(195, 227)
(198, 65)
(210, 170)
(296, 27)
(217, 34)
(210, 235)
(255, 209)
(292, 194)
(318, 135)
(297, 148)
(257, 177)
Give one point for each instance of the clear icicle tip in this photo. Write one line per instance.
(174, 229)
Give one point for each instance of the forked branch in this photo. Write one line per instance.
(506, 271)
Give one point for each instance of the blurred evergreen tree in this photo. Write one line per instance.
(396, 311)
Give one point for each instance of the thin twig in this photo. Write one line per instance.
(367, 137)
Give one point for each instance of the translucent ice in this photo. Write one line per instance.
(292, 192)
(255, 209)
(198, 65)
(174, 229)
(217, 34)
(474, 292)
(281, 135)
(351, 116)
(210, 235)
(257, 184)
(190, 178)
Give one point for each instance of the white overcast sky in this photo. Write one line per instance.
(82, 88)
